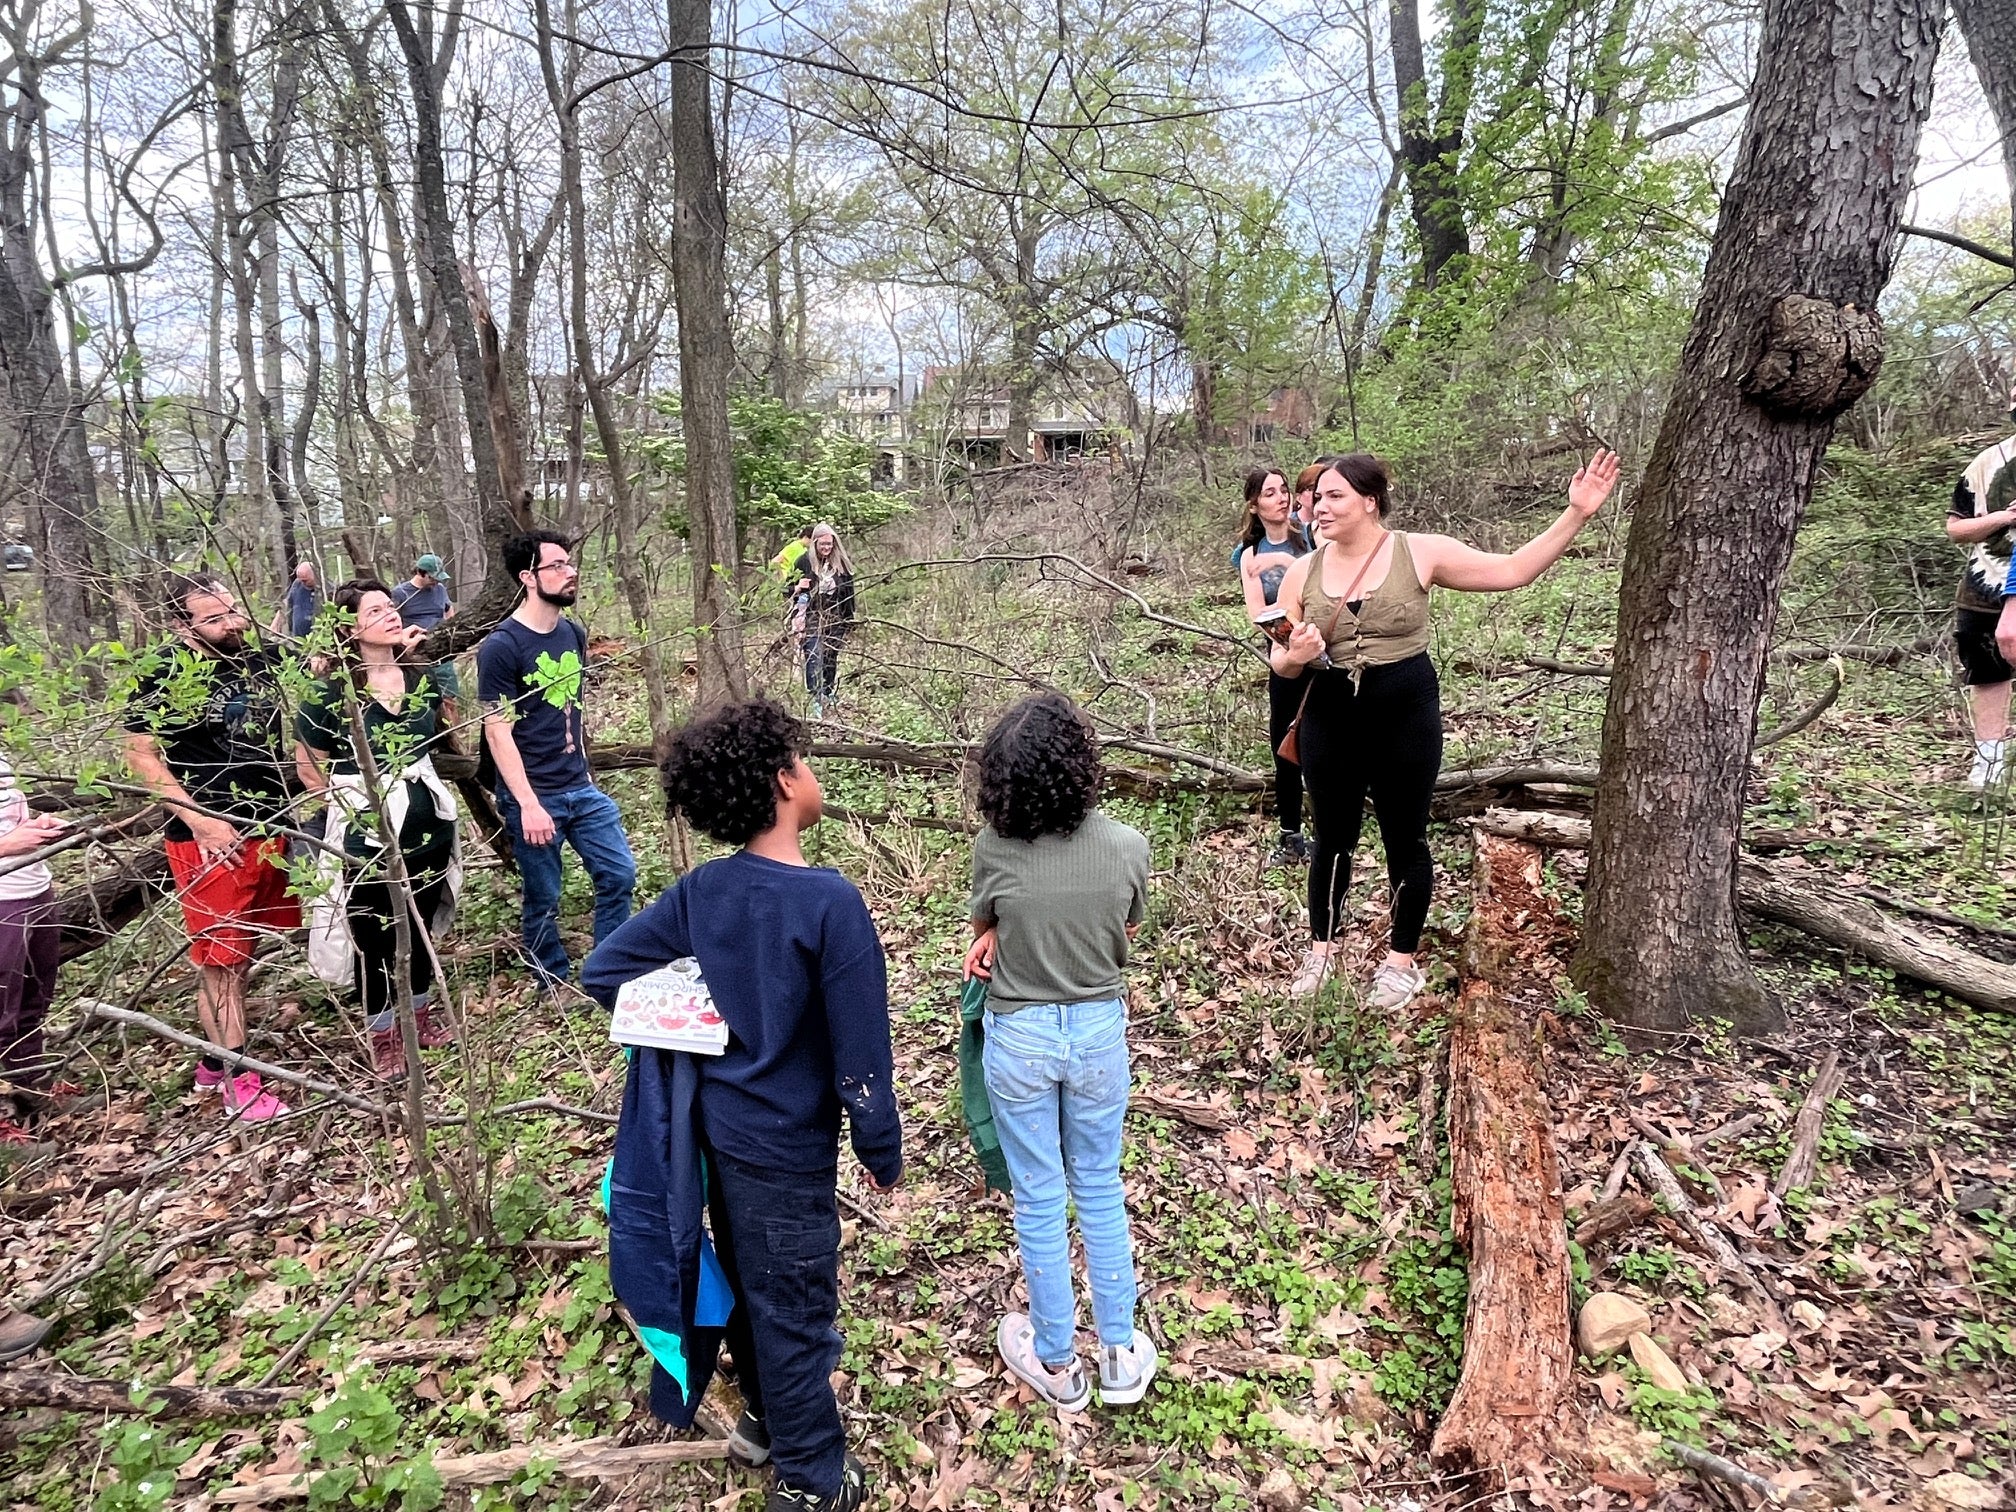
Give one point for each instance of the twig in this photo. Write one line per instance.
(1619, 1169)
(89, 1008)
(34, 1388)
(349, 1289)
(1666, 1186)
(1807, 715)
(1729, 1130)
(1828, 1079)
(553, 1105)
(578, 1459)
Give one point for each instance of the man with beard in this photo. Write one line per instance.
(530, 673)
(205, 733)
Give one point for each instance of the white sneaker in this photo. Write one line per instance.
(1314, 970)
(1395, 986)
(1124, 1374)
(1065, 1389)
(1990, 763)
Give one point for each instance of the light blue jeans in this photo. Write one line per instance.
(1058, 1079)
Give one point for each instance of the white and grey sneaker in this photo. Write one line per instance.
(1065, 1389)
(1990, 763)
(1315, 968)
(1395, 986)
(1124, 1374)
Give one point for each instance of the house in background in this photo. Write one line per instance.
(875, 407)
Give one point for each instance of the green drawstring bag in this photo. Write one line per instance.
(973, 1101)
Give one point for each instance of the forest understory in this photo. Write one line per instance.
(1287, 1162)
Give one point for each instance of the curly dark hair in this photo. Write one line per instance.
(1039, 769)
(721, 772)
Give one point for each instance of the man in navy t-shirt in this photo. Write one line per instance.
(530, 673)
(423, 598)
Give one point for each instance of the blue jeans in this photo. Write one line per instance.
(587, 819)
(1058, 1078)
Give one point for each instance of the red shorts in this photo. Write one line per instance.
(227, 903)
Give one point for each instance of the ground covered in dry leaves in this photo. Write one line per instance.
(1286, 1165)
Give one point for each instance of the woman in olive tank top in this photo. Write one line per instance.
(1373, 720)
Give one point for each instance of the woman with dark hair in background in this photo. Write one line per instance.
(1373, 719)
(1268, 542)
(351, 933)
(1058, 891)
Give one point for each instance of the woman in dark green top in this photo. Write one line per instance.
(402, 704)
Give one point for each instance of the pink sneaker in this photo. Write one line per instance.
(208, 1080)
(245, 1098)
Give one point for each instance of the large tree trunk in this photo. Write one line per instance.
(706, 355)
(499, 515)
(1025, 326)
(1990, 29)
(1431, 131)
(1784, 340)
(50, 461)
(560, 86)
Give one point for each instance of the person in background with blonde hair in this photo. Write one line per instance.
(825, 592)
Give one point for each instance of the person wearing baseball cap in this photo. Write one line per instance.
(423, 598)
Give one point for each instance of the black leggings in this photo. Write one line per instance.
(370, 913)
(1284, 697)
(1385, 739)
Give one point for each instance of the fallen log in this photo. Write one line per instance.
(577, 1459)
(1518, 1357)
(38, 1388)
(88, 916)
(1798, 899)
(1611, 1217)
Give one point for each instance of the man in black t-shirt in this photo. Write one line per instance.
(205, 731)
(1983, 516)
(530, 673)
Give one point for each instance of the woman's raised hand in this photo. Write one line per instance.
(1591, 484)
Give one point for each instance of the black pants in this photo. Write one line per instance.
(777, 1234)
(1385, 739)
(1284, 697)
(370, 912)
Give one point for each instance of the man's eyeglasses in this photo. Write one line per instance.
(555, 567)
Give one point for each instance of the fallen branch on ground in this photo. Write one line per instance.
(1828, 1079)
(1786, 897)
(1665, 1186)
(1608, 1219)
(1518, 1359)
(577, 1459)
(1806, 716)
(36, 1388)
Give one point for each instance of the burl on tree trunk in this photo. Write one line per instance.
(1518, 1360)
(1784, 340)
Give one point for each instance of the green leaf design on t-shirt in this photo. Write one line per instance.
(557, 680)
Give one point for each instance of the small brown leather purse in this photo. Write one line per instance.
(1290, 749)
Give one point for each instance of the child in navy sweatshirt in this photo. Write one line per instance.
(796, 969)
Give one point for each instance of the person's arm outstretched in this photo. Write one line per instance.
(855, 980)
(1445, 562)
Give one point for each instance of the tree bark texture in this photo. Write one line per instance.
(52, 463)
(1989, 27)
(500, 516)
(66, 1393)
(706, 356)
(1518, 1357)
(1784, 340)
(1431, 131)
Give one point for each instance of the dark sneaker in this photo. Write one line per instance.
(1291, 850)
(853, 1494)
(750, 1442)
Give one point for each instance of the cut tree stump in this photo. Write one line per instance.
(1772, 891)
(1518, 1352)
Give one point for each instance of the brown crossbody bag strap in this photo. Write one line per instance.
(1290, 749)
